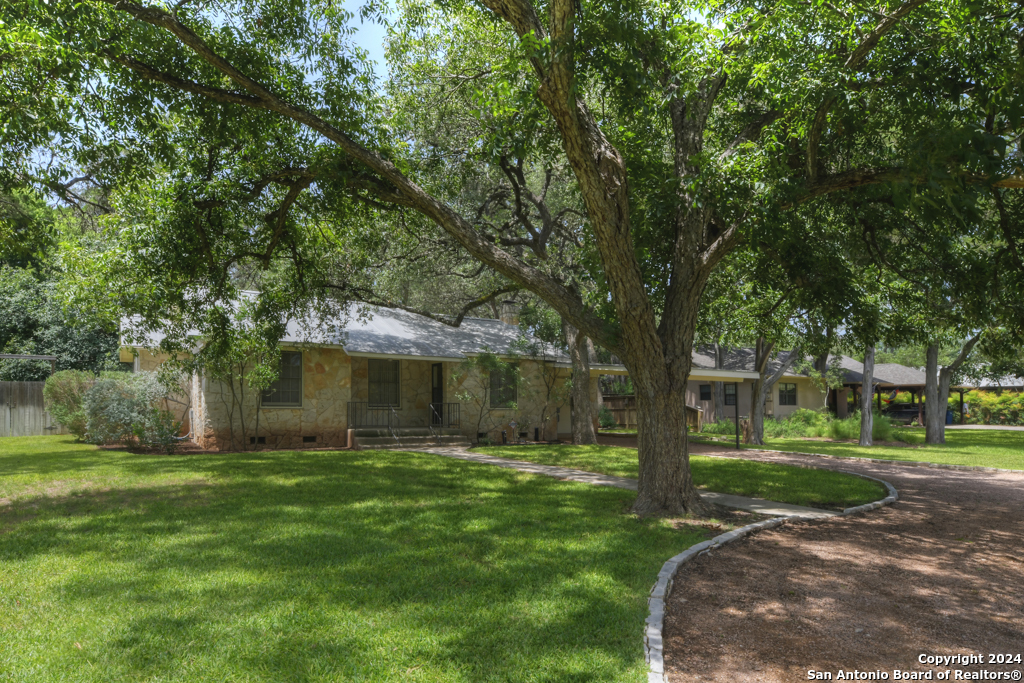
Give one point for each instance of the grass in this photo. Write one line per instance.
(316, 566)
(982, 448)
(781, 483)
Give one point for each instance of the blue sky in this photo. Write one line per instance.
(369, 36)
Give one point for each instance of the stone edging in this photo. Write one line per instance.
(654, 648)
(908, 463)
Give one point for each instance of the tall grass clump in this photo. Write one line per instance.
(849, 428)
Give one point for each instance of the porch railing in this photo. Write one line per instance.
(361, 415)
(445, 414)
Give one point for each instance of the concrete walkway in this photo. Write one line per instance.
(1005, 428)
(758, 505)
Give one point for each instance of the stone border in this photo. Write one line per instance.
(654, 646)
(881, 461)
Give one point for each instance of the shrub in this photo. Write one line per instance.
(723, 427)
(606, 419)
(127, 410)
(997, 408)
(63, 394)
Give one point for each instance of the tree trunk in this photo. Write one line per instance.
(664, 459)
(758, 397)
(762, 386)
(934, 417)
(719, 387)
(866, 393)
(582, 414)
(935, 431)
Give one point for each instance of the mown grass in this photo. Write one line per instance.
(781, 483)
(316, 566)
(979, 448)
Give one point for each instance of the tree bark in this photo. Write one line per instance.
(934, 422)
(936, 389)
(582, 415)
(719, 387)
(866, 394)
(762, 386)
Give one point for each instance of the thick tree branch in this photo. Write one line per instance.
(411, 194)
(853, 62)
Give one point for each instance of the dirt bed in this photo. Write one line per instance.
(939, 573)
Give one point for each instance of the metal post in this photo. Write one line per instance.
(961, 406)
(736, 406)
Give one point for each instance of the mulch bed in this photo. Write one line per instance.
(940, 572)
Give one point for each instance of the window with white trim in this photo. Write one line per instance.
(787, 394)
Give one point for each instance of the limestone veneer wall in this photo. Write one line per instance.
(534, 408)
(326, 391)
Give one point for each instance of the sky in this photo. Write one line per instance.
(369, 36)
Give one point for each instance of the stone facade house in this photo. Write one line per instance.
(381, 374)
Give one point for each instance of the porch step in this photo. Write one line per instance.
(406, 441)
(372, 432)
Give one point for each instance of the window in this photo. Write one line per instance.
(787, 394)
(730, 394)
(287, 390)
(383, 382)
(503, 386)
(705, 392)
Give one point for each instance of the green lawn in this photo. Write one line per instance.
(985, 448)
(316, 566)
(781, 483)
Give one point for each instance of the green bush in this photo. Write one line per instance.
(990, 407)
(606, 419)
(125, 409)
(723, 427)
(63, 394)
(849, 428)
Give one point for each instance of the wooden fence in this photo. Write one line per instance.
(623, 409)
(22, 412)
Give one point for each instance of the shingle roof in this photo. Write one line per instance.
(370, 330)
(900, 375)
(739, 359)
(389, 331)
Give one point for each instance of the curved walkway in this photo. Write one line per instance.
(940, 572)
(758, 505)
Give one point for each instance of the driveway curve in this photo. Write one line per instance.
(941, 572)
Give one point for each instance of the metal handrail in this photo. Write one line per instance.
(430, 424)
(393, 428)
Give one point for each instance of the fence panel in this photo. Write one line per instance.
(22, 412)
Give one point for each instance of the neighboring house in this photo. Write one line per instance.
(795, 389)
(385, 370)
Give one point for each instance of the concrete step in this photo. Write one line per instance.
(372, 432)
(375, 442)
(396, 447)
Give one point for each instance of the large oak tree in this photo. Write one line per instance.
(688, 128)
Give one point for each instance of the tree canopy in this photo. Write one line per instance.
(250, 138)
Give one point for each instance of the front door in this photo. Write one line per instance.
(437, 394)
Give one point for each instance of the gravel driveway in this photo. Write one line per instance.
(939, 573)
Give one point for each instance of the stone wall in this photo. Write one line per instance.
(535, 408)
(320, 421)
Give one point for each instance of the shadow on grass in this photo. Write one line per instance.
(326, 566)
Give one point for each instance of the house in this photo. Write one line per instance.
(381, 374)
(795, 389)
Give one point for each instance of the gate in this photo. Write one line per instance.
(22, 412)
